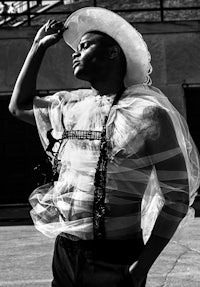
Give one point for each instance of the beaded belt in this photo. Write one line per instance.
(82, 135)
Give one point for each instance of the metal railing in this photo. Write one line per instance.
(161, 10)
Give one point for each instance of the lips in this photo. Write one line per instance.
(75, 64)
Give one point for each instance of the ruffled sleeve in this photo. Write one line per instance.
(48, 113)
(175, 177)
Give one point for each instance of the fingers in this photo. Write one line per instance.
(54, 27)
(50, 33)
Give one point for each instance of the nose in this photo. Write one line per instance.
(75, 55)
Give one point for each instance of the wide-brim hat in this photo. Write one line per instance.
(89, 19)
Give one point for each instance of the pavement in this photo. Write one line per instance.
(26, 255)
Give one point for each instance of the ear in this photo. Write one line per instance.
(114, 52)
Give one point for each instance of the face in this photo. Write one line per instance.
(89, 62)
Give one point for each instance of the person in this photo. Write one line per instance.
(125, 169)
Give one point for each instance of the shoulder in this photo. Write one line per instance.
(147, 104)
(140, 98)
(151, 122)
(161, 135)
(159, 119)
(61, 97)
(156, 114)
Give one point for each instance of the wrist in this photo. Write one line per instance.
(38, 46)
(137, 271)
(134, 277)
(128, 281)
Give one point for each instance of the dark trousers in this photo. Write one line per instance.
(94, 263)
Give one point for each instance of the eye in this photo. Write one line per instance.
(83, 46)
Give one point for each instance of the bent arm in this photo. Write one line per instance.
(167, 222)
(21, 103)
(175, 190)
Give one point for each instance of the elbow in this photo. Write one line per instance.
(13, 110)
(186, 203)
(182, 206)
(176, 209)
(182, 209)
(15, 107)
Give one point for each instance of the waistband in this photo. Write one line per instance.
(112, 251)
(135, 236)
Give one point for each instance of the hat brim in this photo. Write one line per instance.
(89, 19)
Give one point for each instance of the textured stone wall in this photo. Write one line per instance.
(174, 49)
(175, 61)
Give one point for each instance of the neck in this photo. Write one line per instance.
(106, 88)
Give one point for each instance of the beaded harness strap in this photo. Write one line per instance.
(99, 209)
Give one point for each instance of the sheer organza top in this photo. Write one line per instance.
(134, 194)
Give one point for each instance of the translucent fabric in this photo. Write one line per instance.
(137, 191)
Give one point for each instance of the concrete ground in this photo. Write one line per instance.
(25, 259)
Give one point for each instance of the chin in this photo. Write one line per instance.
(79, 74)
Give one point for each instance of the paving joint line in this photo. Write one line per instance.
(189, 248)
(174, 265)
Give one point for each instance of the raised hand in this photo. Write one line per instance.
(50, 33)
